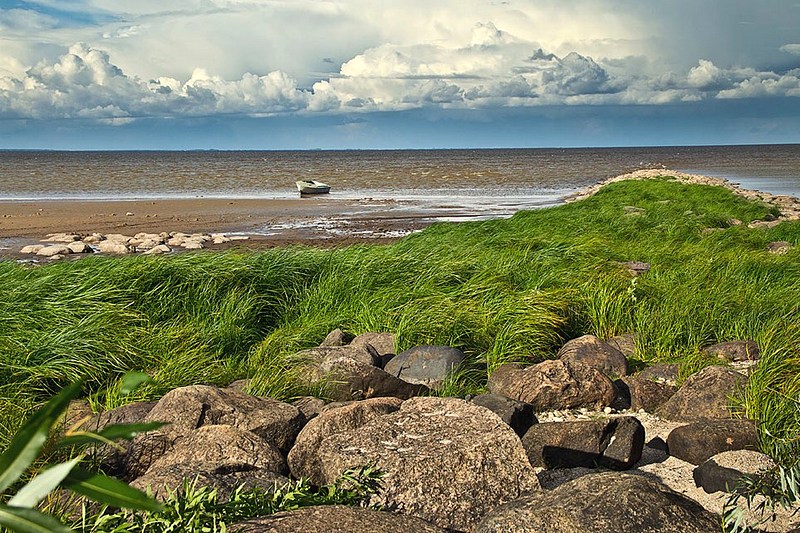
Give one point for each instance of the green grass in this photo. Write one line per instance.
(500, 290)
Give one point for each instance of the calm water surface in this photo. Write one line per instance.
(476, 179)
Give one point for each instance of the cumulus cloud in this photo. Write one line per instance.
(791, 49)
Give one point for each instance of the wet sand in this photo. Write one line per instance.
(268, 222)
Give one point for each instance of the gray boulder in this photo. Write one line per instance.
(553, 385)
(625, 344)
(383, 342)
(303, 456)
(224, 445)
(53, 250)
(591, 351)
(335, 519)
(734, 351)
(705, 395)
(647, 394)
(698, 441)
(519, 415)
(603, 502)
(613, 443)
(336, 337)
(310, 406)
(446, 460)
(188, 408)
(722, 471)
(314, 357)
(348, 379)
(171, 478)
(425, 365)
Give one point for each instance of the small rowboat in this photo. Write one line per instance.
(312, 187)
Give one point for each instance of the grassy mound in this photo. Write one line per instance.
(501, 290)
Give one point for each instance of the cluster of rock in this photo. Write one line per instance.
(789, 206)
(60, 245)
(454, 464)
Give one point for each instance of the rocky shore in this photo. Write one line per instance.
(577, 443)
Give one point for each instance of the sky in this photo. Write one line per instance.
(361, 74)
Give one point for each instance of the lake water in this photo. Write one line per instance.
(494, 182)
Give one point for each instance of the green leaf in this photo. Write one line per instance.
(109, 433)
(22, 520)
(43, 484)
(131, 380)
(28, 441)
(108, 490)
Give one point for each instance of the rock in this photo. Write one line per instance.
(192, 245)
(703, 395)
(425, 365)
(625, 344)
(383, 343)
(603, 502)
(303, 456)
(647, 394)
(348, 379)
(310, 406)
(118, 238)
(94, 238)
(79, 247)
(614, 443)
(779, 247)
(220, 239)
(336, 337)
(661, 372)
(333, 519)
(78, 414)
(171, 478)
(146, 244)
(734, 351)
(188, 408)
(635, 268)
(593, 352)
(314, 357)
(698, 441)
(112, 247)
(31, 248)
(224, 445)
(111, 458)
(132, 413)
(519, 415)
(62, 237)
(53, 250)
(158, 250)
(446, 460)
(721, 472)
(552, 385)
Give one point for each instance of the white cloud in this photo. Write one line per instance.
(791, 49)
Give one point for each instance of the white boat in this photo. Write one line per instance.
(312, 187)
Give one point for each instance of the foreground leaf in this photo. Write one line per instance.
(131, 380)
(43, 484)
(108, 490)
(28, 441)
(22, 520)
(109, 433)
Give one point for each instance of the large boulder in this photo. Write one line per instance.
(224, 445)
(383, 342)
(603, 502)
(553, 385)
(646, 394)
(446, 460)
(314, 357)
(661, 372)
(338, 420)
(170, 478)
(626, 344)
(722, 471)
(734, 351)
(425, 365)
(348, 379)
(188, 408)
(519, 415)
(698, 441)
(335, 519)
(337, 337)
(613, 443)
(596, 353)
(705, 395)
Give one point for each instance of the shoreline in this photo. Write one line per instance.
(316, 221)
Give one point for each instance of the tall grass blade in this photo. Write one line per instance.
(40, 486)
(22, 520)
(109, 491)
